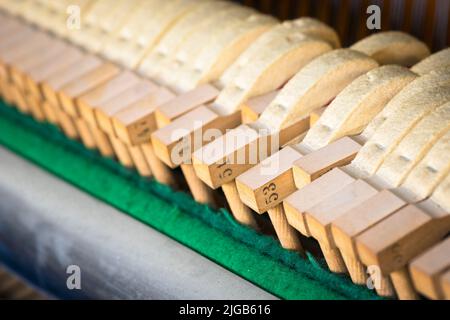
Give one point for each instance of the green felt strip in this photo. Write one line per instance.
(214, 234)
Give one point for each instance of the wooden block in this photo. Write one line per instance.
(123, 98)
(267, 184)
(18, 71)
(135, 124)
(74, 96)
(3, 76)
(85, 133)
(252, 109)
(15, 54)
(216, 162)
(427, 270)
(285, 232)
(393, 242)
(49, 112)
(39, 74)
(140, 161)
(312, 194)
(121, 151)
(18, 99)
(87, 103)
(184, 103)
(67, 124)
(15, 47)
(199, 191)
(185, 134)
(34, 105)
(102, 141)
(7, 93)
(243, 214)
(9, 26)
(63, 77)
(161, 172)
(362, 217)
(257, 184)
(317, 163)
(19, 38)
(3, 86)
(358, 219)
(320, 217)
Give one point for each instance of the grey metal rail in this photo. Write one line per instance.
(47, 225)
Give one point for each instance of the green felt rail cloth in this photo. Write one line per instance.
(214, 234)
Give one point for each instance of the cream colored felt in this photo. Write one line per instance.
(225, 49)
(52, 9)
(318, 29)
(270, 69)
(358, 104)
(91, 21)
(427, 174)
(143, 32)
(435, 62)
(35, 11)
(54, 15)
(103, 22)
(60, 6)
(60, 25)
(315, 86)
(192, 46)
(127, 37)
(396, 127)
(187, 25)
(307, 26)
(179, 48)
(15, 7)
(110, 24)
(390, 48)
(428, 270)
(423, 83)
(153, 32)
(415, 146)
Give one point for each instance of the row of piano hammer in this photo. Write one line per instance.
(349, 147)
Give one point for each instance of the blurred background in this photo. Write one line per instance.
(426, 19)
